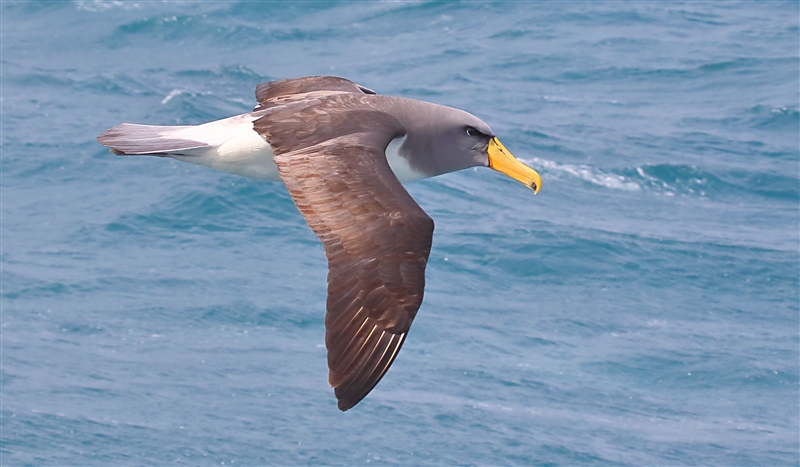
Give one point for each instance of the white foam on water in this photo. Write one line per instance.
(586, 173)
(103, 5)
(173, 93)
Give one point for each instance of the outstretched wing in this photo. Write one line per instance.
(288, 90)
(377, 239)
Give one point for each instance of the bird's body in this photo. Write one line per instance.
(342, 151)
(231, 145)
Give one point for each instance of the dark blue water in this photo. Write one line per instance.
(641, 310)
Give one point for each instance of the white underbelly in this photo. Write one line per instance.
(236, 148)
(248, 155)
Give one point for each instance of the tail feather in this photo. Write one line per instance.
(130, 139)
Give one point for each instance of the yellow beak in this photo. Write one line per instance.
(502, 161)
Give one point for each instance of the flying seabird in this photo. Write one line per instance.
(343, 151)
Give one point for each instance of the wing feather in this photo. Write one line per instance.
(376, 238)
(289, 90)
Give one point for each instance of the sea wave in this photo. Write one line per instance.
(775, 118)
(676, 179)
(586, 173)
(104, 5)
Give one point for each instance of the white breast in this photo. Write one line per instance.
(399, 164)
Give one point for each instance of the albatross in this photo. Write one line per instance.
(343, 152)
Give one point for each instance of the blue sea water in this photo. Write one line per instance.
(641, 310)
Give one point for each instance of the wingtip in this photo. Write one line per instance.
(345, 402)
(344, 406)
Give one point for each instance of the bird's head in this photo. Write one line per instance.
(441, 139)
(472, 139)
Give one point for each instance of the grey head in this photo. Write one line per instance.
(439, 139)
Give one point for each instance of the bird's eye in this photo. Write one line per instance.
(473, 132)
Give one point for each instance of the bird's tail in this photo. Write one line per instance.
(130, 139)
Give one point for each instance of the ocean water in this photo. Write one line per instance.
(641, 310)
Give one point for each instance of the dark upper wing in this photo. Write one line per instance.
(377, 239)
(287, 90)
